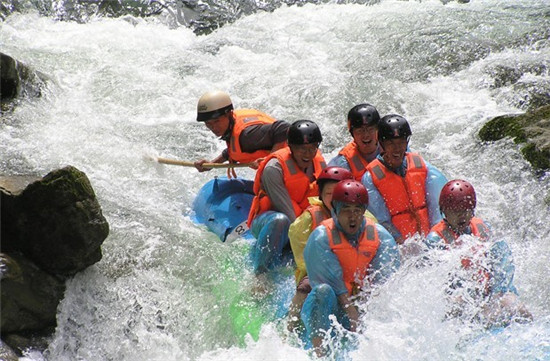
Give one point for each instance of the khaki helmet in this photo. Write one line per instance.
(213, 105)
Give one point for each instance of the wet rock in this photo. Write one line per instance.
(51, 228)
(17, 79)
(532, 129)
(29, 295)
(56, 221)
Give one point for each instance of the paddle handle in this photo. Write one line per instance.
(205, 165)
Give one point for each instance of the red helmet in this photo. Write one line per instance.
(350, 191)
(457, 195)
(335, 174)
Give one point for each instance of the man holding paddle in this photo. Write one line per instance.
(250, 134)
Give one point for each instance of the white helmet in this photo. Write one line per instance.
(213, 105)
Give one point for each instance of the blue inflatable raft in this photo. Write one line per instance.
(223, 205)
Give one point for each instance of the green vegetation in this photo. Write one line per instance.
(531, 128)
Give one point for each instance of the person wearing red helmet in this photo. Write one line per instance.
(301, 228)
(487, 268)
(403, 187)
(363, 126)
(283, 184)
(344, 255)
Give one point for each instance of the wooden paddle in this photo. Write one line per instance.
(205, 165)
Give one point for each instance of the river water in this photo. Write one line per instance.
(124, 89)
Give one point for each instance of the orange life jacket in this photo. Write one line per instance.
(357, 164)
(318, 215)
(479, 229)
(245, 118)
(405, 197)
(355, 261)
(296, 182)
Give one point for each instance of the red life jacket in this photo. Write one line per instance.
(405, 197)
(356, 162)
(355, 261)
(296, 182)
(244, 118)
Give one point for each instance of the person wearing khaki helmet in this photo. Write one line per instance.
(250, 134)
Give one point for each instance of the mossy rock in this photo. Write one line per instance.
(531, 128)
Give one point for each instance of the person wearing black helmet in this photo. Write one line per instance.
(284, 181)
(250, 134)
(363, 126)
(403, 187)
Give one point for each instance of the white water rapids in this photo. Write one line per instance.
(122, 89)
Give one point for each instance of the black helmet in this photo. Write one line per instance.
(393, 126)
(362, 114)
(304, 132)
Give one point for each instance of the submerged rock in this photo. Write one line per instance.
(531, 129)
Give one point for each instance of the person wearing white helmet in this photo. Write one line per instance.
(250, 134)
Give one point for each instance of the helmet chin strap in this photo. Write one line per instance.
(227, 134)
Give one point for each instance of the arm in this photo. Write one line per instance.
(433, 240)
(387, 259)
(219, 159)
(377, 207)
(270, 137)
(322, 264)
(350, 309)
(274, 185)
(339, 161)
(435, 181)
(502, 268)
(298, 234)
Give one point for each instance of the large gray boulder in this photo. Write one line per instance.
(56, 221)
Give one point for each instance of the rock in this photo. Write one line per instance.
(531, 129)
(56, 221)
(51, 228)
(29, 296)
(17, 79)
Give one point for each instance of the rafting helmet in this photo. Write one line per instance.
(212, 105)
(362, 114)
(350, 191)
(393, 126)
(458, 195)
(304, 132)
(332, 174)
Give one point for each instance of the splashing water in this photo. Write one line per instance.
(122, 88)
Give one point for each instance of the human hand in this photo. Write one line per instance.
(198, 164)
(256, 163)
